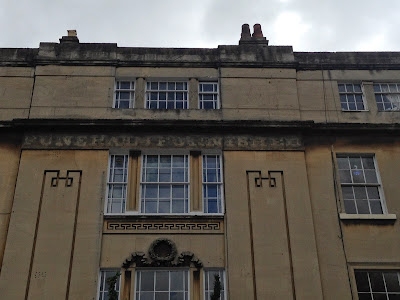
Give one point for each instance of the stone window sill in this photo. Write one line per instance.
(379, 217)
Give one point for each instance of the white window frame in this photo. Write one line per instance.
(169, 80)
(216, 103)
(380, 270)
(220, 183)
(100, 293)
(169, 279)
(354, 94)
(189, 170)
(387, 94)
(111, 183)
(206, 276)
(164, 152)
(130, 91)
(378, 184)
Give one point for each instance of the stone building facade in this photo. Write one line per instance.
(271, 171)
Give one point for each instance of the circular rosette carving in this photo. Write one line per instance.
(162, 250)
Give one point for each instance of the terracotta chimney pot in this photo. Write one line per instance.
(246, 35)
(257, 31)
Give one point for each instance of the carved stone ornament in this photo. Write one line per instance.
(162, 254)
(162, 250)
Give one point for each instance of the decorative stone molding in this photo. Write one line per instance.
(175, 226)
(162, 254)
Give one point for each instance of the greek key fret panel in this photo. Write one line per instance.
(163, 227)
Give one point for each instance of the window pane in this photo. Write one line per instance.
(178, 192)
(164, 206)
(376, 280)
(178, 206)
(373, 193)
(343, 163)
(165, 175)
(364, 296)
(165, 191)
(146, 296)
(178, 175)
(151, 175)
(177, 281)
(370, 176)
(150, 191)
(345, 176)
(392, 281)
(349, 88)
(379, 296)
(358, 176)
(376, 207)
(147, 281)
(360, 192)
(362, 281)
(362, 206)
(162, 281)
(150, 206)
(350, 207)
(178, 161)
(162, 296)
(368, 163)
(355, 163)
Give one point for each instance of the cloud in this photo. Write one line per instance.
(307, 25)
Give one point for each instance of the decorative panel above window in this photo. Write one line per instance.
(351, 97)
(124, 96)
(360, 184)
(167, 95)
(208, 95)
(377, 284)
(387, 96)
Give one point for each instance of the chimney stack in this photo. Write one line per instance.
(72, 37)
(256, 39)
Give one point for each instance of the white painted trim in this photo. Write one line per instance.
(344, 216)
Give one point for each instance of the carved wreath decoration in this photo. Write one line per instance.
(162, 250)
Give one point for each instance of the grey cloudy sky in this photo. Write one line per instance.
(307, 25)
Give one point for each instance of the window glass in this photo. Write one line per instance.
(361, 189)
(165, 184)
(104, 285)
(117, 183)
(212, 184)
(208, 95)
(387, 96)
(378, 284)
(162, 284)
(211, 277)
(167, 95)
(124, 96)
(351, 97)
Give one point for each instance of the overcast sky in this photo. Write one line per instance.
(307, 25)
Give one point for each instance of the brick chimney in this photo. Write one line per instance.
(256, 39)
(72, 37)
